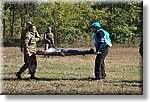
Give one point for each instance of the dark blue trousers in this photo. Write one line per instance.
(100, 64)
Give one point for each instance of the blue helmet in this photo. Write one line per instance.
(96, 25)
(49, 28)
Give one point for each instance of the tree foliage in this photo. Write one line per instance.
(71, 22)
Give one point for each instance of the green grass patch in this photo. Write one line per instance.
(74, 74)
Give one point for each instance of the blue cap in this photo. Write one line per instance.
(49, 28)
(96, 25)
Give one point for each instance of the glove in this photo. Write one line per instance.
(97, 53)
(29, 54)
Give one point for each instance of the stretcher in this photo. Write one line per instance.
(64, 52)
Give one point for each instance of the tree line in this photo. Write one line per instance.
(71, 22)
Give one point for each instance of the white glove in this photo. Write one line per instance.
(97, 53)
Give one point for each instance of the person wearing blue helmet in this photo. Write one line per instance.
(49, 38)
(101, 43)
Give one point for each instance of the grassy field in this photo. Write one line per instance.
(74, 74)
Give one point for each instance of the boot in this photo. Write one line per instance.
(32, 76)
(18, 74)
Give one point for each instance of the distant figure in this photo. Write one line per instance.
(29, 52)
(141, 48)
(49, 38)
(101, 42)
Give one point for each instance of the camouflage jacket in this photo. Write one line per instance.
(30, 42)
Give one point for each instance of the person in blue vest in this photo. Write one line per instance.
(141, 48)
(101, 43)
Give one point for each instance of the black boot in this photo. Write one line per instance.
(32, 76)
(104, 76)
(18, 74)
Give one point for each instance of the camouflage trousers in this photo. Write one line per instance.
(30, 62)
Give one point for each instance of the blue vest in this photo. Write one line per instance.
(107, 40)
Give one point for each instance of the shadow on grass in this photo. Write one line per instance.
(123, 83)
(136, 83)
(133, 83)
(50, 79)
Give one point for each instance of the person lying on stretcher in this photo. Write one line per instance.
(64, 52)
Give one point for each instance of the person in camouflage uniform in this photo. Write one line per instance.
(49, 38)
(24, 31)
(29, 52)
(22, 38)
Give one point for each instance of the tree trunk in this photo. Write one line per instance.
(4, 25)
(12, 20)
(13, 17)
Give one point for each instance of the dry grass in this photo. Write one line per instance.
(74, 74)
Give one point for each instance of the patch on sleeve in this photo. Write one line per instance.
(102, 40)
